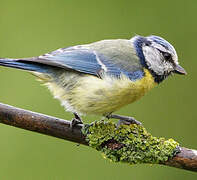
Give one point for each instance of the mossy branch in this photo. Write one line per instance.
(127, 143)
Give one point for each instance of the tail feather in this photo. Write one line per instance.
(22, 64)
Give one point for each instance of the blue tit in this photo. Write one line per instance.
(101, 77)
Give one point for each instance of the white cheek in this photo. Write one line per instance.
(155, 62)
(168, 67)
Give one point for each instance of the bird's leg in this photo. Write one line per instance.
(76, 120)
(124, 119)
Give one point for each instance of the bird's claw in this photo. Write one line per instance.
(76, 120)
(124, 119)
(128, 122)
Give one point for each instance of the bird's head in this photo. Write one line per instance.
(157, 55)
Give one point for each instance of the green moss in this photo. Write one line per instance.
(129, 143)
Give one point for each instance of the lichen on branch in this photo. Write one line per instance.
(129, 143)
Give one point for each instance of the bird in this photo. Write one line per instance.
(101, 77)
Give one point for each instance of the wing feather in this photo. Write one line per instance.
(88, 61)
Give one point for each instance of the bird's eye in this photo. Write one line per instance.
(167, 56)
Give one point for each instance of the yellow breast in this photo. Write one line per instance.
(88, 94)
(102, 96)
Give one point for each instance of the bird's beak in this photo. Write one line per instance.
(179, 70)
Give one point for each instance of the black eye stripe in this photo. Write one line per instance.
(167, 56)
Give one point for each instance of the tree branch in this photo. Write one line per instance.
(40, 123)
(185, 158)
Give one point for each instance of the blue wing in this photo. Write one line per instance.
(82, 60)
(88, 61)
(79, 59)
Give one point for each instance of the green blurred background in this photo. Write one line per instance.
(31, 28)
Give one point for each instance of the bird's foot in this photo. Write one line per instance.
(76, 120)
(124, 119)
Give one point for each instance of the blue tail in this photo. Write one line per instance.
(23, 64)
